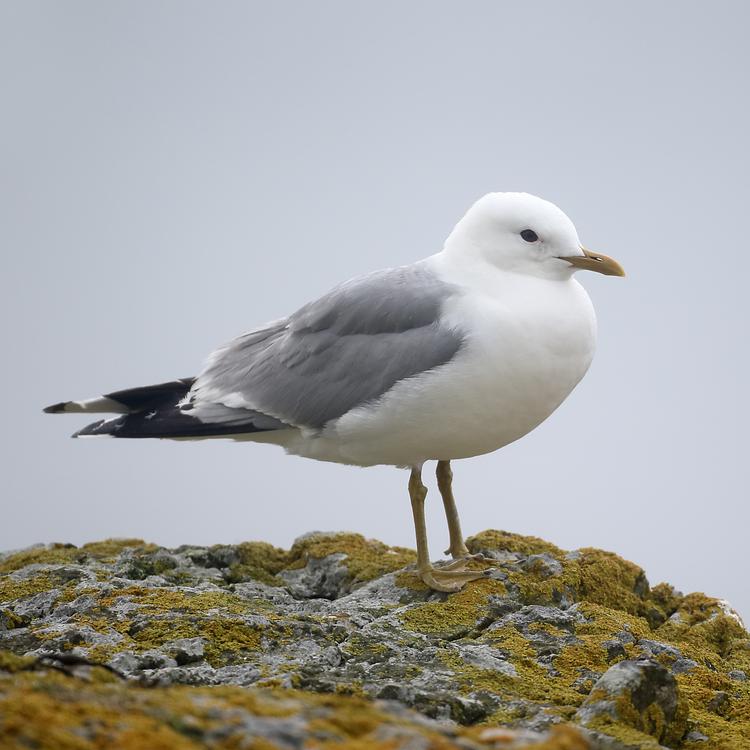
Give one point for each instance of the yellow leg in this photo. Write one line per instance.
(453, 579)
(418, 493)
(457, 549)
(445, 485)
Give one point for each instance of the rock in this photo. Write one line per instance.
(696, 737)
(486, 657)
(543, 565)
(9, 620)
(323, 578)
(185, 650)
(37, 606)
(615, 650)
(719, 703)
(667, 655)
(640, 694)
(523, 652)
(153, 659)
(655, 649)
(682, 665)
(126, 661)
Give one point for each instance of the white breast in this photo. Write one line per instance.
(528, 343)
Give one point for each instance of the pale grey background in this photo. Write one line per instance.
(174, 173)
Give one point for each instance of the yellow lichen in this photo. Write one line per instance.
(68, 553)
(592, 575)
(20, 588)
(561, 737)
(365, 558)
(172, 614)
(179, 600)
(628, 735)
(588, 653)
(50, 712)
(604, 578)
(459, 613)
(223, 637)
(493, 539)
(109, 549)
(10, 662)
(259, 561)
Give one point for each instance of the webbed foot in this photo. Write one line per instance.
(452, 577)
(460, 562)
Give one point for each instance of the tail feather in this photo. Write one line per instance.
(101, 405)
(160, 411)
(126, 401)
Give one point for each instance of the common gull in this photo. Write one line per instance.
(452, 356)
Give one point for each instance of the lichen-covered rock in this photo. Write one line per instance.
(533, 647)
(43, 709)
(642, 695)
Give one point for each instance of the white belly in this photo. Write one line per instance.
(524, 355)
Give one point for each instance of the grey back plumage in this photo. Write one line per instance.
(344, 350)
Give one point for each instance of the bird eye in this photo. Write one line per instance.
(529, 235)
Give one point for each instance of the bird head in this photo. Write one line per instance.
(525, 234)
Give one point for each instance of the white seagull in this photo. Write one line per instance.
(452, 356)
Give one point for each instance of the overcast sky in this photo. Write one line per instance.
(174, 173)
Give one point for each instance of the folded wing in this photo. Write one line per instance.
(344, 350)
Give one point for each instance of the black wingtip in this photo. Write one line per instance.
(92, 429)
(56, 408)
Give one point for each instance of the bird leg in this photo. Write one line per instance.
(457, 549)
(440, 579)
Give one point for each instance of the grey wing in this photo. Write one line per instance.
(345, 349)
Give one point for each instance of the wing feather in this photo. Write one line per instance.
(344, 350)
